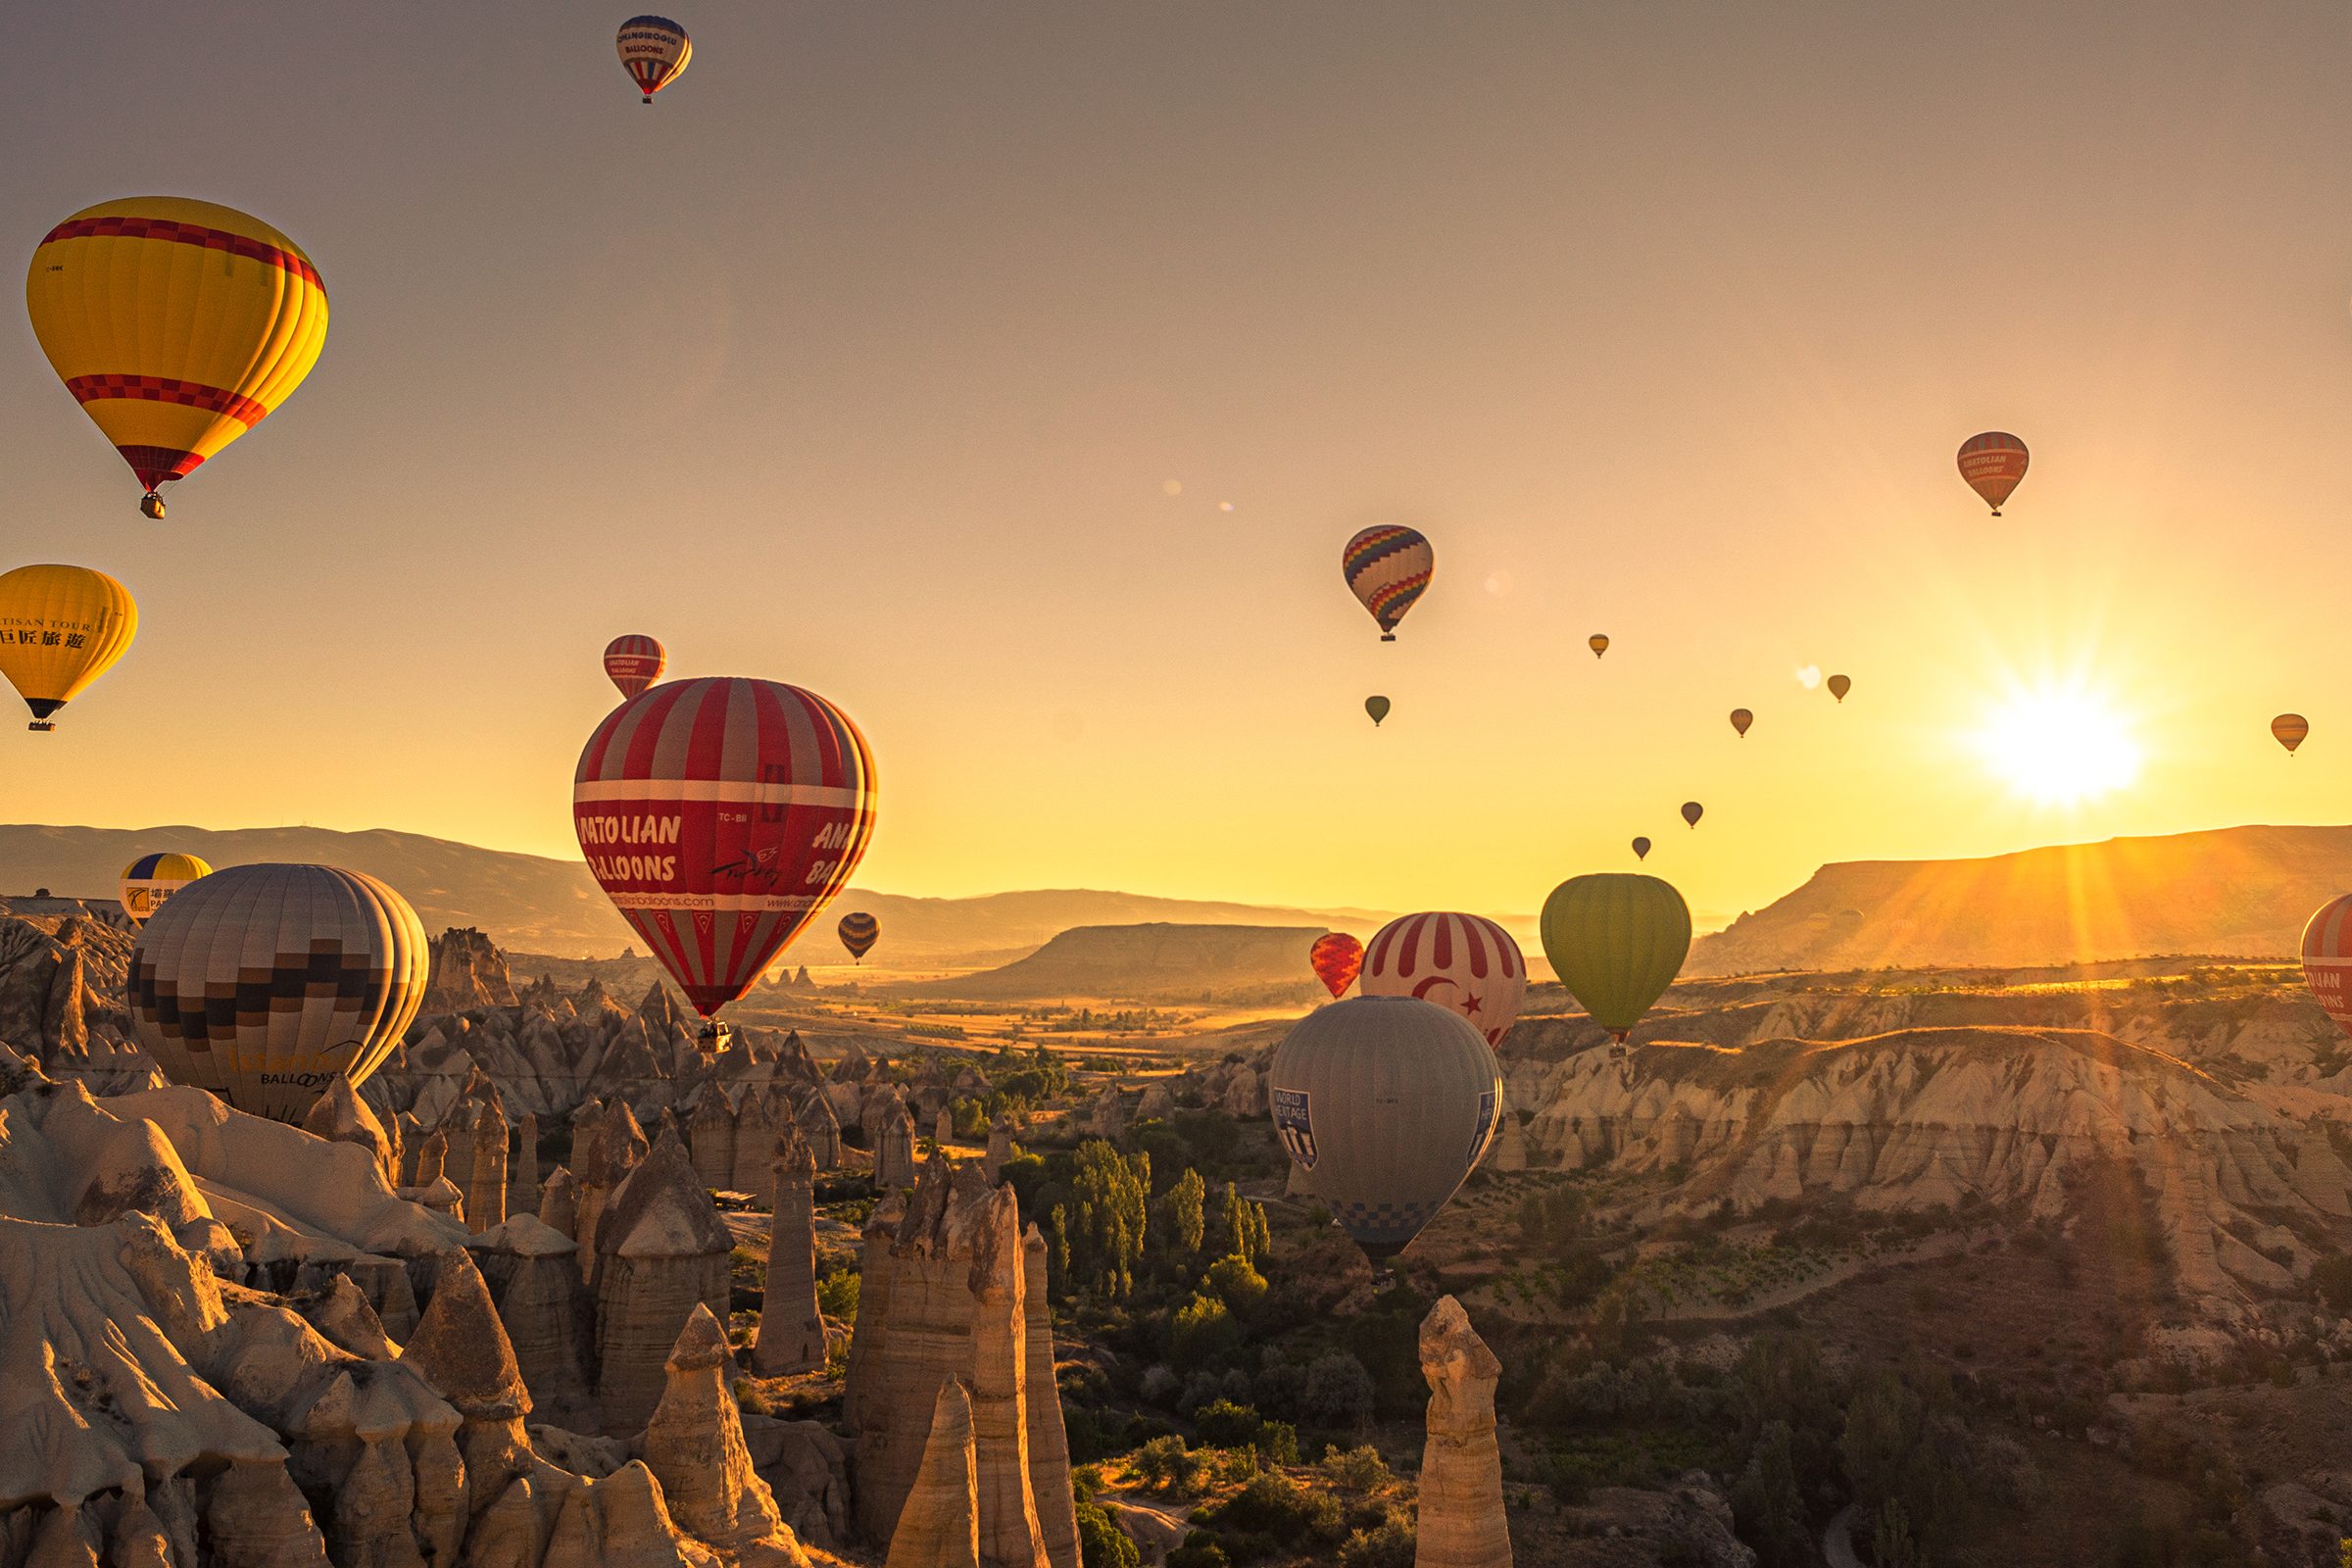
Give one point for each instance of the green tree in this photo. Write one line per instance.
(1108, 1203)
(1904, 1440)
(1240, 1228)
(1177, 1223)
(1891, 1545)
(1200, 1332)
(1238, 1285)
(1770, 1508)
(1100, 1542)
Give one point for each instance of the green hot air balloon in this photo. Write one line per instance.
(1616, 939)
(1378, 707)
(1386, 1102)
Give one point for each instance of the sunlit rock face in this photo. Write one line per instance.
(661, 1252)
(1462, 1516)
(468, 972)
(1921, 1117)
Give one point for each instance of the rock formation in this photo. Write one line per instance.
(755, 1133)
(340, 1115)
(522, 1173)
(791, 1336)
(711, 1136)
(468, 972)
(528, 1270)
(555, 1205)
(821, 1129)
(486, 1184)
(694, 1446)
(1462, 1523)
(1157, 1104)
(1000, 1150)
(1048, 1434)
(894, 1149)
(943, 1127)
(939, 1527)
(661, 1249)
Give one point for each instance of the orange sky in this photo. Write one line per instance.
(863, 360)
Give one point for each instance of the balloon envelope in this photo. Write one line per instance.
(179, 326)
(1742, 718)
(1693, 812)
(1840, 685)
(2327, 956)
(1993, 464)
(1337, 959)
(1598, 643)
(1387, 1104)
(858, 932)
(1616, 939)
(60, 628)
(634, 662)
(1378, 707)
(719, 815)
(1465, 963)
(149, 880)
(1640, 849)
(655, 51)
(1388, 566)
(2288, 729)
(262, 983)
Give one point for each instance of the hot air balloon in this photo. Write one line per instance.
(1388, 566)
(1598, 643)
(1378, 707)
(1693, 812)
(1993, 464)
(2289, 729)
(262, 983)
(1336, 958)
(152, 878)
(179, 326)
(1840, 685)
(1640, 849)
(719, 815)
(858, 931)
(1387, 1104)
(1616, 939)
(1463, 962)
(1740, 720)
(633, 663)
(60, 628)
(655, 51)
(2326, 955)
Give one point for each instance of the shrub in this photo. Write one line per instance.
(1237, 1283)
(1360, 1469)
(1200, 1551)
(1101, 1543)
(1165, 1464)
(1392, 1545)
(1203, 1331)
(837, 1294)
(1337, 1392)
(1227, 1424)
(1282, 1510)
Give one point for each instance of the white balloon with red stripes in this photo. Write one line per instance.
(1463, 962)
(2328, 959)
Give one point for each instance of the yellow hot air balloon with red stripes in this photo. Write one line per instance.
(179, 326)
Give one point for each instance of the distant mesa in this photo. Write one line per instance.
(1151, 961)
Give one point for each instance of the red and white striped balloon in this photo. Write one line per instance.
(633, 663)
(1463, 962)
(2326, 961)
(720, 815)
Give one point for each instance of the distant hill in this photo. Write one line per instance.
(1155, 962)
(534, 904)
(2237, 892)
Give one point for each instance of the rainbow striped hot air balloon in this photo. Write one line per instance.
(633, 663)
(858, 932)
(179, 326)
(1387, 568)
(655, 51)
(152, 878)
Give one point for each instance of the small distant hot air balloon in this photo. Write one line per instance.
(1616, 939)
(1693, 812)
(1336, 958)
(1388, 566)
(633, 663)
(1740, 720)
(1993, 464)
(719, 815)
(1640, 849)
(1388, 1103)
(60, 628)
(1598, 643)
(179, 326)
(2325, 958)
(858, 932)
(655, 51)
(1378, 707)
(262, 983)
(2289, 729)
(150, 879)
(1465, 963)
(1840, 685)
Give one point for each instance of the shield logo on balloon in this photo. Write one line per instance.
(1485, 1126)
(1294, 1126)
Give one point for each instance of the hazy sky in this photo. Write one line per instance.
(864, 358)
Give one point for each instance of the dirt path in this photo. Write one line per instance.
(1838, 1540)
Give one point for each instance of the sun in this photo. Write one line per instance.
(2060, 745)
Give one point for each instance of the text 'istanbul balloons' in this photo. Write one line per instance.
(1598, 643)
(655, 51)
(1993, 464)
(1378, 707)
(1693, 812)
(633, 663)
(1337, 959)
(1616, 939)
(179, 326)
(152, 878)
(1388, 566)
(2327, 956)
(1463, 962)
(1740, 720)
(1840, 685)
(1387, 1104)
(262, 983)
(2288, 729)
(60, 628)
(1640, 849)
(719, 815)
(858, 932)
